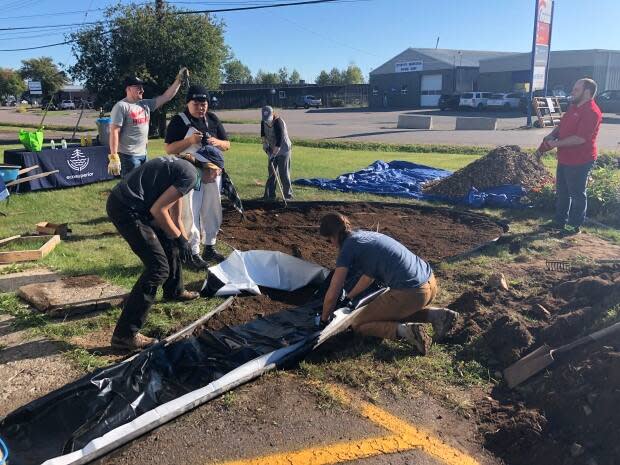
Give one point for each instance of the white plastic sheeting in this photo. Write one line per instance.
(245, 271)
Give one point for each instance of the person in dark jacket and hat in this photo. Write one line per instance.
(200, 132)
(145, 207)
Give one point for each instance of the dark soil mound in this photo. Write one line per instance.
(567, 415)
(503, 165)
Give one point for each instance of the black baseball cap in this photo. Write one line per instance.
(198, 93)
(133, 81)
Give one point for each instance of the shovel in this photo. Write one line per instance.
(544, 356)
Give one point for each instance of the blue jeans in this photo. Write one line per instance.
(130, 162)
(571, 196)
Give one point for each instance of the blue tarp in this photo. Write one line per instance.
(405, 179)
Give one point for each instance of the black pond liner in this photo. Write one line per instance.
(128, 399)
(69, 418)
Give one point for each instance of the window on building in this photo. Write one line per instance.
(282, 94)
(375, 90)
(403, 90)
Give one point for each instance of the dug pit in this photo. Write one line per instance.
(432, 233)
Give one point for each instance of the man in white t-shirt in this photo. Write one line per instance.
(129, 128)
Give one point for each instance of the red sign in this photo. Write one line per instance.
(542, 33)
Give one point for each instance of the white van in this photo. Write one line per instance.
(476, 100)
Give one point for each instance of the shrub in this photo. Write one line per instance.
(337, 102)
(608, 160)
(603, 196)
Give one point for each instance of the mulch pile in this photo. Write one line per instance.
(501, 166)
(568, 414)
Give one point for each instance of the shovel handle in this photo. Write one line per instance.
(600, 334)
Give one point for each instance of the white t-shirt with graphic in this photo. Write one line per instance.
(133, 118)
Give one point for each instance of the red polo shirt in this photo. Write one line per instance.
(583, 121)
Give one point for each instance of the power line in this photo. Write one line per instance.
(182, 12)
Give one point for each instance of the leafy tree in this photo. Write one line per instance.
(323, 79)
(295, 77)
(336, 76)
(45, 70)
(236, 72)
(353, 75)
(11, 83)
(137, 39)
(283, 74)
(267, 78)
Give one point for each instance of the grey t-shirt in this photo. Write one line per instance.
(384, 259)
(133, 118)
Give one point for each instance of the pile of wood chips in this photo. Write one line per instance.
(503, 165)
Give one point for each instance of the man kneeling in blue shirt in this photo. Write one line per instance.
(412, 285)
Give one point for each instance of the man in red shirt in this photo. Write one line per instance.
(575, 139)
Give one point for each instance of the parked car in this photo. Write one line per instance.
(504, 101)
(67, 105)
(476, 100)
(609, 101)
(52, 106)
(449, 102)
(9, 102)
(308, 101)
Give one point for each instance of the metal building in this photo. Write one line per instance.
(504, 74)
(418, 76)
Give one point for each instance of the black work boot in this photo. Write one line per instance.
(197, 263)
(209, 254)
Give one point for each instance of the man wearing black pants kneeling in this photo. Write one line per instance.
(145, 208)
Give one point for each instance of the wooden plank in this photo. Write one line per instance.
(9, 239)
(27, 170)
(30, 178)
(49, 245)
(19, 256)
(15, 256)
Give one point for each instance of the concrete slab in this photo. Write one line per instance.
(415, 122)
(13, 281)
(476, 123)
(77, 294)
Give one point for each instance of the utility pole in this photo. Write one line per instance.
(159, 8)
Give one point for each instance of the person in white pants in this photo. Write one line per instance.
(200, 132)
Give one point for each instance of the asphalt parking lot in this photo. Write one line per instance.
(380, 126)
(360, 125)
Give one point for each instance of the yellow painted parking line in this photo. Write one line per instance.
(405, 437)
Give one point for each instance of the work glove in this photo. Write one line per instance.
(114, 164)
(344, 301)
(183, 74)
(185, 251)
(320, 323)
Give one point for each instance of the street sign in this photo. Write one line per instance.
(34, 87)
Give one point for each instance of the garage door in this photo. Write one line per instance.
(430, 90)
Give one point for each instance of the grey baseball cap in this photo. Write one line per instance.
(267, 112)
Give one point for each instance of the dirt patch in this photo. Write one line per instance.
(502, 165)
(247, 308)
(432, 233)
(29, 368)
(563, 416)
(82, 282)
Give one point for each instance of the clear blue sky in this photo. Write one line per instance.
(366, 32)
